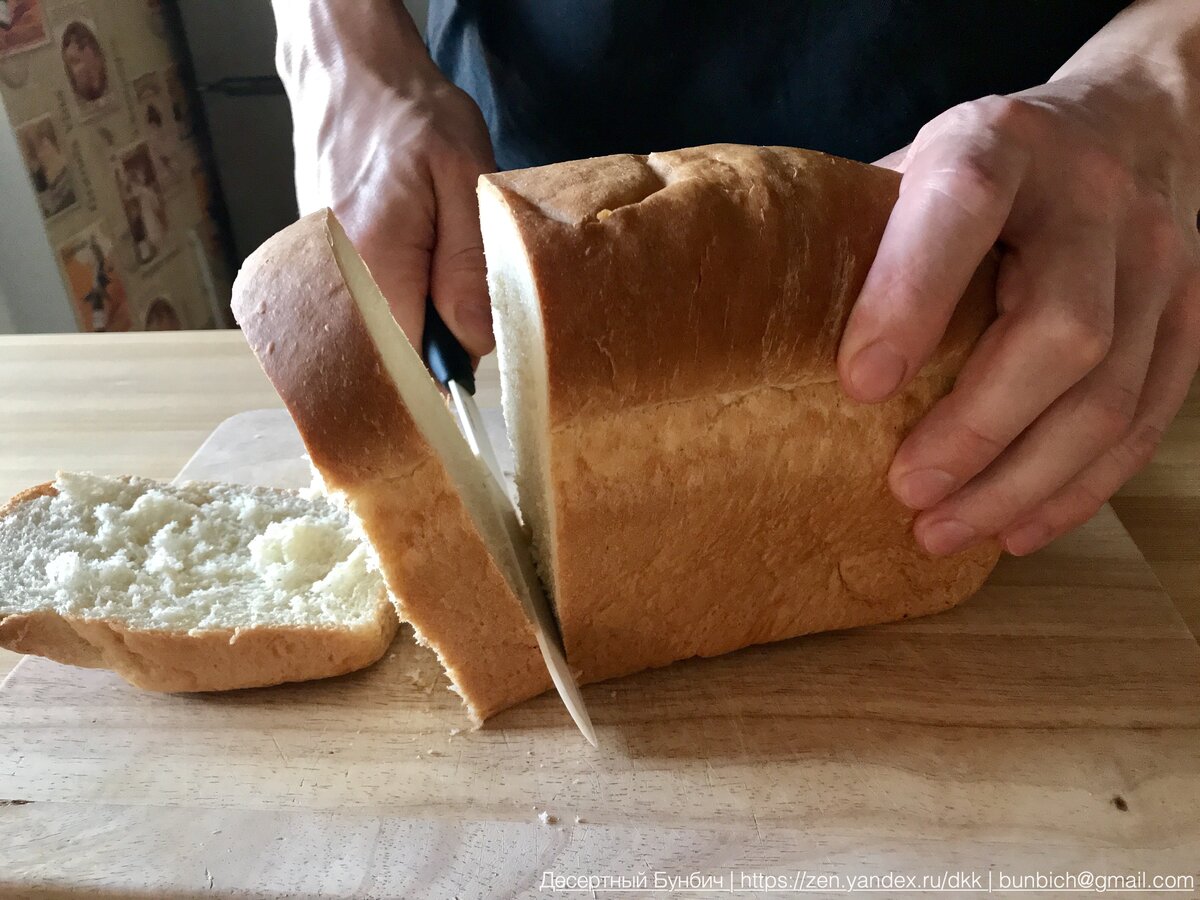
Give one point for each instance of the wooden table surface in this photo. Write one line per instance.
(141, 404)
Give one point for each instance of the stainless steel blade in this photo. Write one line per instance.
(476, 432)
(534, 597)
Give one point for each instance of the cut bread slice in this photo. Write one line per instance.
(694, 477)
(191, 587)
(382, 439)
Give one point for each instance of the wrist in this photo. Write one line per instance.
(1145, 108)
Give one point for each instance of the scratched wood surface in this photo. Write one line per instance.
(1050, 723)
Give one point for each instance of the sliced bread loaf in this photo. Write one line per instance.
(192, 587)
(693, 475)
(382, 439)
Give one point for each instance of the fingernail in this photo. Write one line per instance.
(876, 371)
(1027, 538)
(924, 487)
(946, 537)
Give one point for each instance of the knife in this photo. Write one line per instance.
(451, 366)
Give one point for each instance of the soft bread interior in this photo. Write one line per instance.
(190, 557)
(521, 347)
(428, 409)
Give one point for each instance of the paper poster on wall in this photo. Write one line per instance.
(48, 165)
(181, 111)
(86, 66)
(22, 26)
(208, 222)
(142, 198)
(96, 288)
(161, 315)
(157, 123)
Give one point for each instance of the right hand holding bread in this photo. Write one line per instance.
(394, 149)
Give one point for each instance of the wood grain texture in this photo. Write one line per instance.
(999, 734)
(1160, 507)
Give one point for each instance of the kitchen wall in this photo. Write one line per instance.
(28, 272)
(105, 205)
(6, 323)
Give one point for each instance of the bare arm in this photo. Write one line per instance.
(395, 149)
(1091, 184)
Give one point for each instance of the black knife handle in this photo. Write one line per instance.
(445, 356)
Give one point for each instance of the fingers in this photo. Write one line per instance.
(1056, 327)
(1084, 423)
(458, 277)
(1089, 441)
(959, 186)
(1173, 366)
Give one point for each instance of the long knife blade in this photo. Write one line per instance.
(448, 360)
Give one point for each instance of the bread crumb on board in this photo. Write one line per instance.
(547, 819)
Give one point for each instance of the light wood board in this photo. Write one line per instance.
(1053, 722)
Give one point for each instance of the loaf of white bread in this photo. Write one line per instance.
(693, 478)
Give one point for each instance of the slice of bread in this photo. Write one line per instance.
(191, 587)
(694, 477)
(381, 437)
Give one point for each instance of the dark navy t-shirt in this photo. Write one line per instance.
(565, 79)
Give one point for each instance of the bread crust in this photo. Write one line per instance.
(208, 660)
(300, 319)
(712, 486)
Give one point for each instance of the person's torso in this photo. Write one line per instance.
(565, 79)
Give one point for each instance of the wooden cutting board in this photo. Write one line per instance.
(1051, 723)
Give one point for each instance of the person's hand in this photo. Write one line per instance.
(1093, 194)
(395, 150)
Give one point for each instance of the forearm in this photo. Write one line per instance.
(376, 40)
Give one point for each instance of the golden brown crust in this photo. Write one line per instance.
(308, 334)
(46, 489)
(712, 486)
(211, 660)
(719, 269)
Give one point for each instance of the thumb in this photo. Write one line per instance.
(458, 276)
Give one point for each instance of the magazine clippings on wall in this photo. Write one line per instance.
(156, 122)
(96, 288)
(161, 315)
(181, 110)
(22, 26)
(143, 200)
(91, 79)
(49, 165)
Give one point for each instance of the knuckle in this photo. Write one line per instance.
(1112, 408)
(1077, 337)
(976, 186)
(1140, 447)
(979, 441)
(1009, 117)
